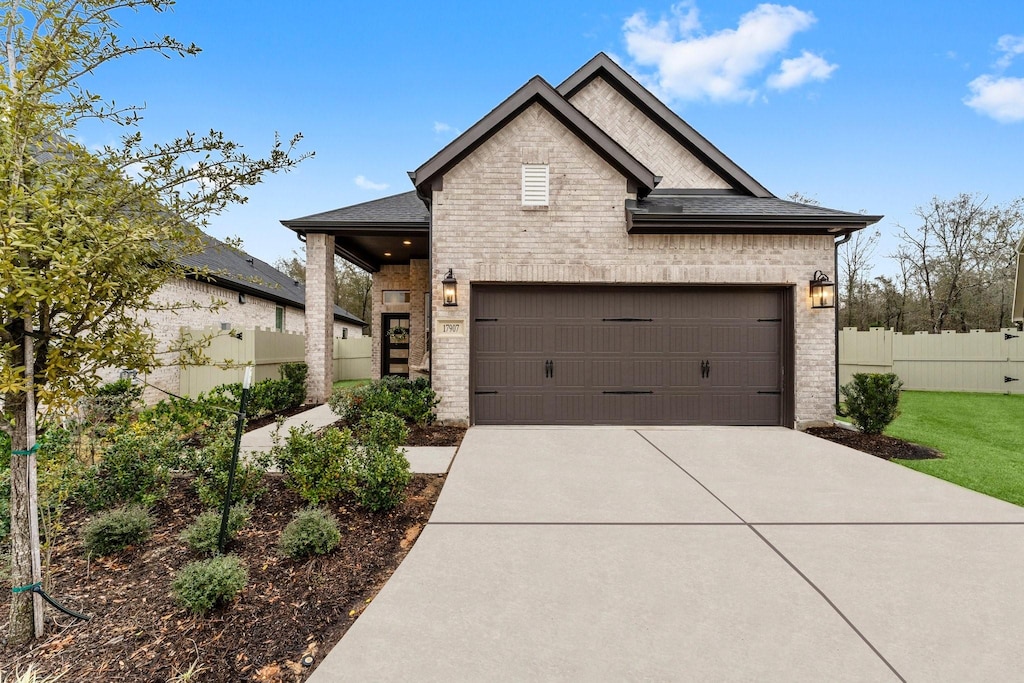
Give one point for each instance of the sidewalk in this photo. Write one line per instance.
(422, 459)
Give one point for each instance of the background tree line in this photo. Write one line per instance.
(352, 285)
(954, 271)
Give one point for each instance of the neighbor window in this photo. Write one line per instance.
(279, 318)
(396, 296)
(344, 333)
(535, 184)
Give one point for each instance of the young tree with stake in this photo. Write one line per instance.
(87, 237)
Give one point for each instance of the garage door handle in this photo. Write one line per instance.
(549, 369)
(705, 368)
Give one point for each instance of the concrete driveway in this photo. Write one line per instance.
(603, 553)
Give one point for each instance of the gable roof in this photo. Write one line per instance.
(428, 176)
(237, 271)
(602, 66)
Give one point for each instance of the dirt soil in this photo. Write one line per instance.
(288, 610)
(435, 435)
(878, 445)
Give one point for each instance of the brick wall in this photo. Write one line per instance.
(412, 278)
(166, 325)
(482, 232)
(643, 138)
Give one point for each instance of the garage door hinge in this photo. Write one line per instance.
(770, 392)
(486, 320)
(769, 320)
(484, 392)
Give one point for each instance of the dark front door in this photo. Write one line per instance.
(394, 344)
(557, 354)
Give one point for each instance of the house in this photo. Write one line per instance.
(581, 255)
(252, 293)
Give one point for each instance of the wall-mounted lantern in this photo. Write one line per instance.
(823, 292)
(449, 289)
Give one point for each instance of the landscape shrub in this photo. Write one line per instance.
(135, 468)
(411, 400)
(315, 465)
(203, 534)
(115, 530)
(382, 429)
(204, 584)
(112, 401)
(193, 420)
(872, 400)
(380, 476)
(312, 531)
(212, 464)
(269, 395)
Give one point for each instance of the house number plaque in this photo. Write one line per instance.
(447, 327)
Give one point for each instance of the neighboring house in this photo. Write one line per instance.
(606, 265)
(252, 293)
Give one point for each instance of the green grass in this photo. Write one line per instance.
(980, 435)
(349, 383)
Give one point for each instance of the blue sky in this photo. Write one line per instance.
(873, 106)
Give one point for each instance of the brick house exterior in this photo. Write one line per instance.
(250, 293)
(641, 214)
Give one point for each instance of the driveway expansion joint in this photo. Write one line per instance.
(785, 559)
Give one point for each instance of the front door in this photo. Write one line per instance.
(394, 344)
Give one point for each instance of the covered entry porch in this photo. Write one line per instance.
(390, 238)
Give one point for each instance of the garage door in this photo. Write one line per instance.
(549, 354)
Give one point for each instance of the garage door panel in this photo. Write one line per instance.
(525, 339)
(571, 354)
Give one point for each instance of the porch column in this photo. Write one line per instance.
(319, 316)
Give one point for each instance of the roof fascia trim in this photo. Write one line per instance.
(602, 65)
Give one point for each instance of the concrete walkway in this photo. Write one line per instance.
(422, 459)
(694, 554)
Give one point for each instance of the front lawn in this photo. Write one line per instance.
(980, 435)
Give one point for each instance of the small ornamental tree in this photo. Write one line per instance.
(87, 237)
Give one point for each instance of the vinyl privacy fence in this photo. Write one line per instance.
(991, 362)
(267, 350)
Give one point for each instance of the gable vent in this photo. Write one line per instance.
(535, 185)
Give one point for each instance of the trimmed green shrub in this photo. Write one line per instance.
(380, 475)
(115, 530)
(311, 532)
(212, 464)
(382, 429)
(204, 584)
(269, 395)
(315, 465)
(112, 401)
(872, 400)
(204, 533)
(413, 401)
(134, 468)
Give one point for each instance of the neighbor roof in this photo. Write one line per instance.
(428, 176)
(698, 212)
(233, 269)
(602, 66)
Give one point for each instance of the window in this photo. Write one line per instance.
(535, 185)
(396, 296)
(279, 318)
(344, 333)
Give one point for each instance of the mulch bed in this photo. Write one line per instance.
(878, 445)
(289, 609)
(431, 435)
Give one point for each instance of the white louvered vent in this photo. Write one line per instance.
(535, 185)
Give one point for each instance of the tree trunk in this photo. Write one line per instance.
(26, 607)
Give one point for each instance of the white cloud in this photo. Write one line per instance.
(1010, 46)
(692, 65)
(442, 127)
(361, 181)
(799, 70)
(1001, 98)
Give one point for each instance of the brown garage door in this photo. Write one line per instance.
(551, 354)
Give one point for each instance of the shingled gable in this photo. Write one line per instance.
(429, 176)
(602, 66)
